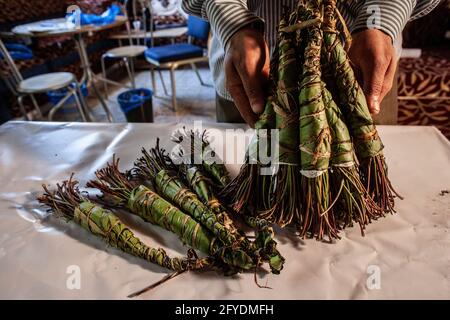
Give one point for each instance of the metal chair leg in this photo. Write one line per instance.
(133, 73)
(153, 79)
(129, 71)
(60, 104)
(162, 81)
(36, 106)
(103, 103)
(194, 67)
(105, 84)
(84, 105)
(22, 107)
(77, 94)
(174, 90)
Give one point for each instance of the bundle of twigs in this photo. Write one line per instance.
(178, 198)
(69, 203)
(329, 168)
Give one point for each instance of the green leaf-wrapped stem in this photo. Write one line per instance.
(154, 209)
(197, 150)
(353, 202)
(201, 184)
(264, 244)
(173, 189)
(103, 223)
(286, 199)
(315, 137)
(353, 103)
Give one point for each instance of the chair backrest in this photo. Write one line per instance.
(148, 9)
(123, 7)
(131, 8)
(15, 77)
(198, 28)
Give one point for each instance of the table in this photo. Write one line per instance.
(171, 33)
(409, 249)
(89, 76)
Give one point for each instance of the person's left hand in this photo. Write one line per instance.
(375, 59)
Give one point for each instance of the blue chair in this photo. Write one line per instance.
(175, 55)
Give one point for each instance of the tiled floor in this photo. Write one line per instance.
(195, 102)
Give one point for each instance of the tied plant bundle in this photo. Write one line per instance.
(180, 198)
(142, 201)
(68, 202)
(176, 184)
(329, 169)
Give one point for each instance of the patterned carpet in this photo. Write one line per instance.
(424, 90)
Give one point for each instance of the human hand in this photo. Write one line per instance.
(247, 67)
(375, 60)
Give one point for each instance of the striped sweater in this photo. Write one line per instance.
(228, 16)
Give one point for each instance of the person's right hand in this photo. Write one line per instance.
(374, 57)
(247, 67)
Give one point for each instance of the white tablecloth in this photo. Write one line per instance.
(411, 250)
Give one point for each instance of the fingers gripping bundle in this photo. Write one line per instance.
(329, 168)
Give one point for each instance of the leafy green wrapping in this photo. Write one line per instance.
(156, 166)
(199, 148)
(264, 244)
(342, 145)
(352, 101)
(285, 183)
(105, 224)
(152, 208)
(201, 184)
(315, 137)
(171, 187)
(286, 104)
(351, 96)
(217, 170)
(214, 165)
(67, 202)
(347, 188)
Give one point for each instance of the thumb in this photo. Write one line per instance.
(253, 84)
(373, 79)
(255, 75)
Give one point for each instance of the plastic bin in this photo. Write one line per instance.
(137, 105)
(69, 106)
